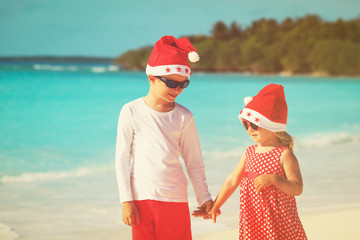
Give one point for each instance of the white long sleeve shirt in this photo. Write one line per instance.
(148, 148)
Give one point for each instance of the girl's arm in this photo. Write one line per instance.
(292, 184)
(228, 187)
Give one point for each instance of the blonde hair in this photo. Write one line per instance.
(285, 139)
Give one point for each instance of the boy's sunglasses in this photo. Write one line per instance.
(174, 84)
(248, 124)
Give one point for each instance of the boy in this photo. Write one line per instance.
(152, 132)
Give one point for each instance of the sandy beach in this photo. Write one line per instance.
(68, 208)
(332, 224)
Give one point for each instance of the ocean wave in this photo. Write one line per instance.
(233, 153)
(327, 139)
(53, 175)
(76, 68)
(6, 233)
(301, 142)
(94, 68)
(48, 67)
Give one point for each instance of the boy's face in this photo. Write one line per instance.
(163, 92)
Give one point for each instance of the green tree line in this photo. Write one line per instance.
(296, 46)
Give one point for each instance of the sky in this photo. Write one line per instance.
(108, 28)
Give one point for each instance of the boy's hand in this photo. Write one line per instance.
(130, 214)
(203, 210)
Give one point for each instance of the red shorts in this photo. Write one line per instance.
(162, 221)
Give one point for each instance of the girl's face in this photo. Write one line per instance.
(262, 136)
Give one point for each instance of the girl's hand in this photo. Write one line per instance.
(291, 184)
(213, 214)
(264, 181)
(130, 214)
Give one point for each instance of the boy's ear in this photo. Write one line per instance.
(151, 78)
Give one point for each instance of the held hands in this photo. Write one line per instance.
(203, 210)
(130, 214)
(206, 211)
(213, 214)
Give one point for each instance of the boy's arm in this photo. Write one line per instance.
(292, 184)
(192, 156)
(123, 156)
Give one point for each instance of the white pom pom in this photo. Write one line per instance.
(193, 56)
(247, 100)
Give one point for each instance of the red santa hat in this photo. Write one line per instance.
(171, 56)
(268, 109)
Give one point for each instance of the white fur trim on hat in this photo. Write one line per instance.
(168, 69)
(193, 56)
(261, 120)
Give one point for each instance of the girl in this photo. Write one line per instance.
(268, 173)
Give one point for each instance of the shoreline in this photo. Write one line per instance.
(91, 217)
(330, 223)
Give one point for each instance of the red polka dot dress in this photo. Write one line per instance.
(270, 213)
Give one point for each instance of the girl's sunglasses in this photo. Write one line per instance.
(174, 84)
(248, 124)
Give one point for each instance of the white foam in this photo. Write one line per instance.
(114, 68)
(48, 67)
(327, 139)
(50, 176)
(232, 153)
(6, 233)
(306, 141)
(56, 68)
(98, 69)
(75, 68)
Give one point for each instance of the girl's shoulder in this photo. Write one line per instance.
(282, 148)
(286, 152)
(251, 147)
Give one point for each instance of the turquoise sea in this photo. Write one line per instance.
(57, 143)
